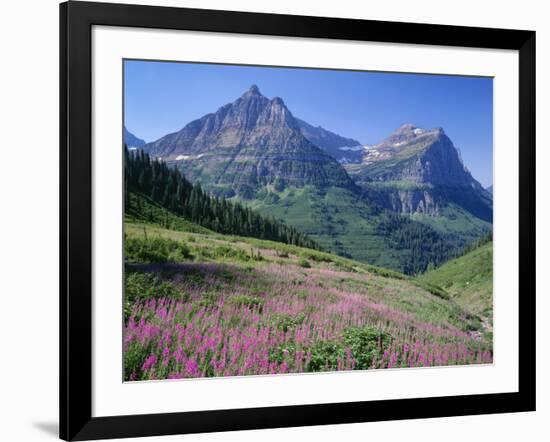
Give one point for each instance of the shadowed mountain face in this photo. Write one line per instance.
(249, 143)
(345, 150)
(420, 171)
(131, 140)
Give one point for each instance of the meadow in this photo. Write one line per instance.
(202, 304)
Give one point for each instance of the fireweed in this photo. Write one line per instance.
(302, 321)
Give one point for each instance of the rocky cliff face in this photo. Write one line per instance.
(252, 142)
(414, 201)
(419, 171)
(419, 156)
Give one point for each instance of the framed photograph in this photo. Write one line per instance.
(272, 221)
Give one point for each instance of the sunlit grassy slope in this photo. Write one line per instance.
(336, 219)
(455, 220)
(399, 291)
(468, 280)
(205, 304)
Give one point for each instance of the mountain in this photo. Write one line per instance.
(420, 173)
(131, 141)
(250, 143)
(489, 189)
(468, 280)
(254, 150)
(345, 150)
(417, 156)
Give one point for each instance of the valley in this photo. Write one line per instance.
(256, 243)
(255, 151)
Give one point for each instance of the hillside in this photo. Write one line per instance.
(142, 209)
(206, 304)
(468, 280)
(151, 186)
(343, 223)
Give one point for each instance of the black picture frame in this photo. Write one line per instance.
(76, 21)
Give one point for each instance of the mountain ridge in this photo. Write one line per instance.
(249, 143)
(253, 149)
(132, 141)
(416, 170)
(344, 150)
(411, 152)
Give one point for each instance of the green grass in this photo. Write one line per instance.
(251, 257)
(468, 280)
(155, 250)
(455, 220)
(336, 219)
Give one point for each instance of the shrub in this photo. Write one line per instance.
(304, 263)
(318, 257)
(228, 252)
(342, 267)
(286, 322)
(365, 344)
(141, 286)
(208, 300)
(246, 301)
(154, 250)
(134, 357)
(256, 256)
(325, 356)
(281, 353)
(147, 285)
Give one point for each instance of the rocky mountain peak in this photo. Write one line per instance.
(252, 91)
(404, 134)
(405, 128)
(416, 155)
(278, 101)
(251, 142)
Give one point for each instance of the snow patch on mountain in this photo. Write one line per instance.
(352, 148)
(189, 157)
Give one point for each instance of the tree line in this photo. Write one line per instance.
(169, 188)
(427, 248)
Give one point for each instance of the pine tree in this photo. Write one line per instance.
(167, 187)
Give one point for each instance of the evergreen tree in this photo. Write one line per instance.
(169, 188)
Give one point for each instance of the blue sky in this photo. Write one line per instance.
(162, 97)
